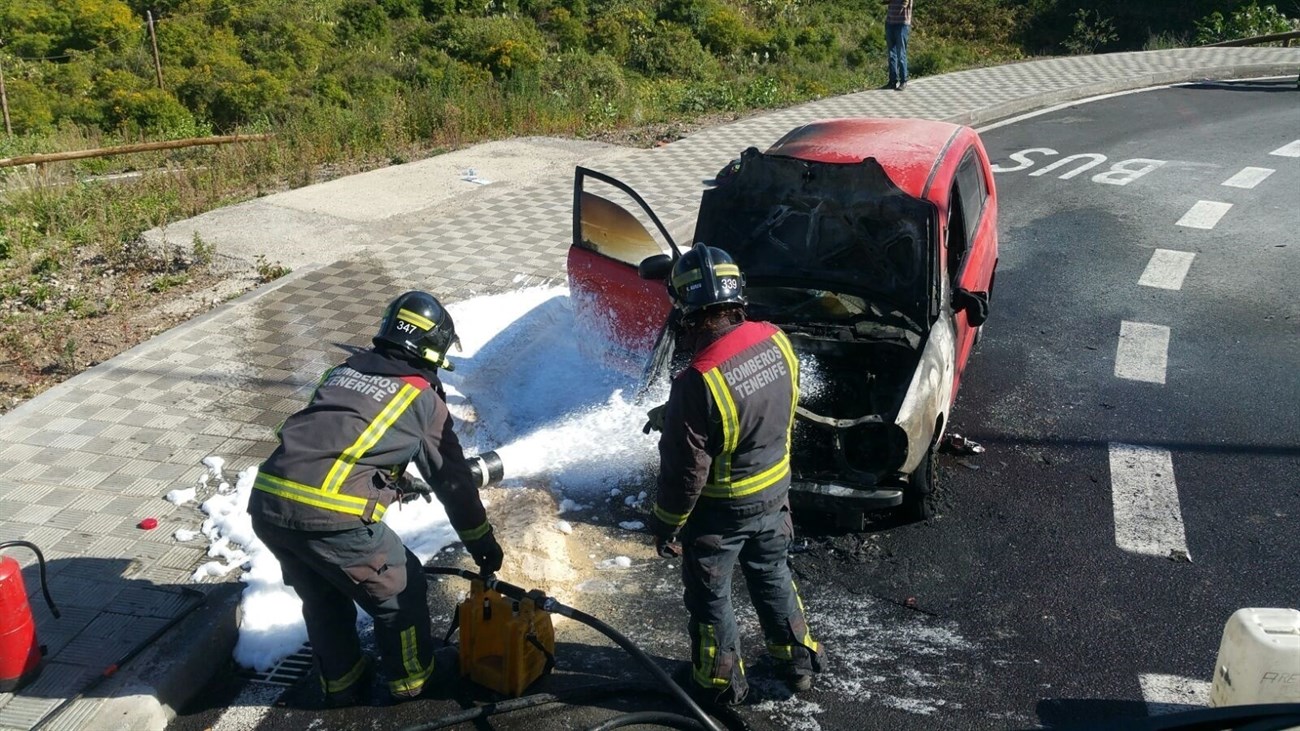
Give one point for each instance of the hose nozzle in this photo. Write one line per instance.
(486, 468)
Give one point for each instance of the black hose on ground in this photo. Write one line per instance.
(571, 695)
(549, 604)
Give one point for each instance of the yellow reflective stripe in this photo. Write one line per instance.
(695, 275)
(369, 438)
(411, 683)
(730, 424)
(670, 518)
(792, 362)
(415, 319)
(314, 496)
(752, 484)
(807, 639)
(410, 652)
(411, 662)
(686, 278)
(704, 663)
(781, 652)
(475, 533)
(345, 682)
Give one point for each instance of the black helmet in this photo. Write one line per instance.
(704, 277)
(417, 323)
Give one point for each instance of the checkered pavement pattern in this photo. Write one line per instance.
(82, 464)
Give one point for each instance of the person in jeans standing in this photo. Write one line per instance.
(898, 25)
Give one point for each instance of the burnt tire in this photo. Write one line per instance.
(920, 498)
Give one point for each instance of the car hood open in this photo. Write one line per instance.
(847, 227)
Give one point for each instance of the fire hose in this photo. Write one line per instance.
(698, 718)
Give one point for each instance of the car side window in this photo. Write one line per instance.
(965, 205)
(973, 191)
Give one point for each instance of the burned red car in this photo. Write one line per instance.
(871, 242)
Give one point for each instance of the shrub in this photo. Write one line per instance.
(1091, 31)
(569, 31)
(204, 253)
(29, 109)
(502, 45)
(582, 77)
(1246, 21)
(977, 21)
(614, 31)
(671, 50)
(360, 20)
(818, 44)
(269, 271)
(1163, 41)
(147, 111)
(724, 31)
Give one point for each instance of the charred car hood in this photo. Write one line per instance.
(845, 226)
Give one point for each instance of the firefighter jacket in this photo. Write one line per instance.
(339, 458)
(726, 434)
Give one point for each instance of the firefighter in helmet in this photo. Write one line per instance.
(319, 499)
(724, 477)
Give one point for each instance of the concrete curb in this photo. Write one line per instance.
(145, 693)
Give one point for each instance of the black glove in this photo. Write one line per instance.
(486, 552)
(409, 489)
(655, 419)
(666, 543)
(668, 547)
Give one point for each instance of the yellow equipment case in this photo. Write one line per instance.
(505, 644)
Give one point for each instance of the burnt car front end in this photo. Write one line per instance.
(843, 261)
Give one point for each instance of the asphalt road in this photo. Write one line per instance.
(1017, 607)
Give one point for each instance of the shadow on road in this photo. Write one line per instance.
(1264, 86)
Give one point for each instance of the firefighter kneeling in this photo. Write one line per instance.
(319, 498)
(724, 477)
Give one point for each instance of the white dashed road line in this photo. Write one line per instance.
(1288, 150)
(1205, 214)
(1173, 693)
(1148, 519)
(1248, 177)
(1167, 269)
(1143, 352)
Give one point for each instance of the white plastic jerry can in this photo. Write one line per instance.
(1259, 659)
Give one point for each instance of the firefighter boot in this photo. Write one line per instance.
(350, 690)
(798, 671)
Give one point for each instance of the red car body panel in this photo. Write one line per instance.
(906, 148)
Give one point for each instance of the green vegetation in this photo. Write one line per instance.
(268, 271)
(347, 85)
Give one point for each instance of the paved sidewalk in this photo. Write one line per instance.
(82, 464)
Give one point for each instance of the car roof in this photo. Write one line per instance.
(908, 149)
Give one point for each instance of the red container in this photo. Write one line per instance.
(20, 653)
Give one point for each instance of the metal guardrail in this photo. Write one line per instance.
(48, 157)
(1286, 39)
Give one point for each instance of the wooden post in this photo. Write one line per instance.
(4, 100)
(153, 37)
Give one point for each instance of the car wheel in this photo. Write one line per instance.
(920, 500)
